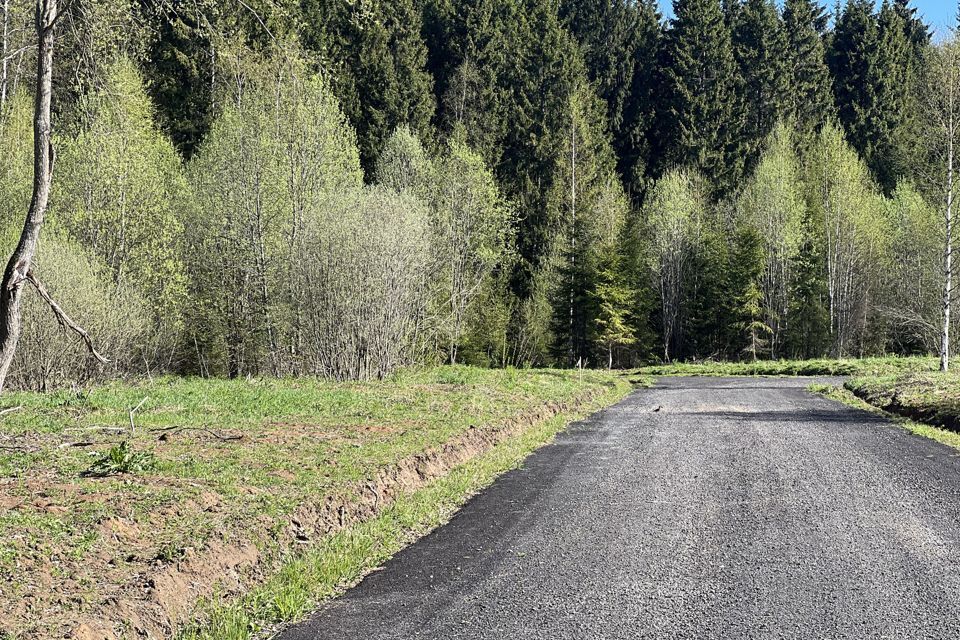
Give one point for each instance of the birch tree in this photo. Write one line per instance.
(850, 210)
(940, 93)
(773, 205)
(592, 209)
(121, 189)
(675, 214)
(913, 302)
(265, 173)
(471, 231)
(16, 130)
(15, 41)
(19, 271)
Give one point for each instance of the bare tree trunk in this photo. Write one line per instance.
(573, 233)
(15, 275)
(948, 250)
(4, 53)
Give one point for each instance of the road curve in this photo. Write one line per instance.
(702, 508)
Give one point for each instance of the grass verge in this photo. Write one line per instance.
(846, 396)
(930, 398)
(111, 530)
(845, 367)
(343, 559)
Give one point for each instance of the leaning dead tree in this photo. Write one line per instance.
(19, 271)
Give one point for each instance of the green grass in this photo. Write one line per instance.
(225, 460)
(930, 398)
(845, 395)
(845, 367)
(341, 560)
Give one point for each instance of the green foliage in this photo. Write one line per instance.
(748, 261)
(50, 356)
(760, 48)
(471, 226)
(376, 55)
(675, 215)
(120, 459)
(16, 149)
(269, 170)
(404, 165)
(873, 59)
(810, 98)
(517, 134)
(913, 301)
(772, 204)
(816, 367)
(593, 207)
(618, 39)
(843, 199)
(615, 300)
(179, 78)
(699, 85)
(120, 192)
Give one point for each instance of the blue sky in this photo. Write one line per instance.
(939, 14)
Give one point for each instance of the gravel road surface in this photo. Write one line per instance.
(702, 508)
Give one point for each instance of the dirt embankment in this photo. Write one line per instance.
(925, 399)
(159, 601)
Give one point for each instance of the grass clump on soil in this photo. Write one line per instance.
(844, 367)
(876, 394)
(118, 459)
(91, 507)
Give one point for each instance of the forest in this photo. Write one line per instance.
(342, 188)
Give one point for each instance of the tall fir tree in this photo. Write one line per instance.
(760, 49)
(618, 40)
(593, 208)
(809, 98)
(874, 58)
(892, 77)
(698, 71)
(918, 31)
(377, 57)
(180, 80)
(852, 57)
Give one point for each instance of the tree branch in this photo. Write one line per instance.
(63, 318)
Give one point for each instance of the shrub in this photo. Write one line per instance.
(50, 356)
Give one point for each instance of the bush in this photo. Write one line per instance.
(363, 275)
(50, 356)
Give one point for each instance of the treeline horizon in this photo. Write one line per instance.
(323, 187)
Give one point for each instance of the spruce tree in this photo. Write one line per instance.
(698, 85)
(377, 57)
(614, 298)
(590, 200)
(918, 32)
(809, 98)
(890, 77)
(179, 80)
(852, 58)
(750, 330)
(618, 40)
(760, 49)
(874, 59)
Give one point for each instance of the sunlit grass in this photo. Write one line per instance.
(231, 460)
(823, 367)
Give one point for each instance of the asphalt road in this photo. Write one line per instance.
(702, 508)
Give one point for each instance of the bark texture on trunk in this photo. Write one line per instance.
(15, 276)
(5, 53)
(947, 261)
